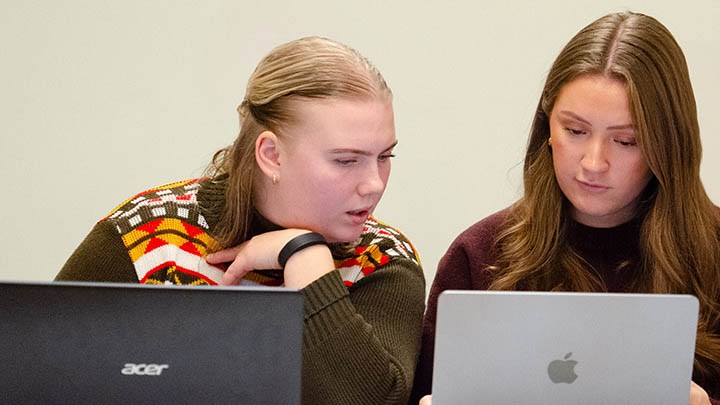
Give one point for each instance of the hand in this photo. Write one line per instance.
(698, 396)
(426, 400)
(261, 252)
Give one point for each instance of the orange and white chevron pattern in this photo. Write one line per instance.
(166, 237)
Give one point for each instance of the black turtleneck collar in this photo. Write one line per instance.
(622, 237)
(613, 253)
(211, 200)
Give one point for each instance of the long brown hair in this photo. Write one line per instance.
(306, 68)
(679, 236)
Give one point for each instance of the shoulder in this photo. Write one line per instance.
(465, 264)
(170, 209)
(483, 232)
(379, 246)
(473, 249)
(388, 240)
(165, 234)
(178, 199)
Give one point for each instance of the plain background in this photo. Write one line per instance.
(103, 99)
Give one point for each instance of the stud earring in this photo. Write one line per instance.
(549, 141)
(274, 179)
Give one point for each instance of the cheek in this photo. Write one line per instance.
(560, 159)
(558, 151)
(319, 184)
(641, 174)
(385, 173)
(567, 152)
(310, 180)
(325, 183)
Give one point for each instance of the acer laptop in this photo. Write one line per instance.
(67, 342)
(563, 348)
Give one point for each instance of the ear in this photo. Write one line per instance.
(267, 153)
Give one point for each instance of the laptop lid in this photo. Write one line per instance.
(131, 343)
(529, 347)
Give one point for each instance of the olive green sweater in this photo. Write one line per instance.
(362, 320)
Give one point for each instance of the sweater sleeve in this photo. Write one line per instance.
(101, 256)
(361, 343)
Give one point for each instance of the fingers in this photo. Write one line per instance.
(237, 268)
(224, 256)
(235, 272)
(260, 252)
(698, 396)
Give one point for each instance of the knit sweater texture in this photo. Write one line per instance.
(464, 267)
(362, 320)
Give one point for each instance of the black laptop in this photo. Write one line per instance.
(67, 342)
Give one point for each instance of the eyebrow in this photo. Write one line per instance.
(361, 152)
(581, 119)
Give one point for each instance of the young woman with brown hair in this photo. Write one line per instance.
(613, 200)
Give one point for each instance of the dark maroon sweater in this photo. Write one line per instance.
(463, 267)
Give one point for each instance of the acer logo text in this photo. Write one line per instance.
(143, 369)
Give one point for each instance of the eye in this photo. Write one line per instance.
(574, 131)
(346, 162)
(626, 142)
(386, 157)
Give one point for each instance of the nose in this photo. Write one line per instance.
(374, 180)
(595, 158)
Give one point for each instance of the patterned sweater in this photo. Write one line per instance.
(362, 321)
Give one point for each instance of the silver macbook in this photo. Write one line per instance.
(563, 348)
(130, 343)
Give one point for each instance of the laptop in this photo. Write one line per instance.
(563, 348)
(82, 342)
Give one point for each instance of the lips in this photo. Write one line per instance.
(359, 216)
(592, 186)
(358, 213)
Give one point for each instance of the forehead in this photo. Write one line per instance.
(339, 121)
(594, 95)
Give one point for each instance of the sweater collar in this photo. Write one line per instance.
(211, 200)
(620, 238)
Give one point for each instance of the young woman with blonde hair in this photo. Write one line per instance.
(613, 199)
(295, 193)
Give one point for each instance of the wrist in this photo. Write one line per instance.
(308, 265)
(297, 244)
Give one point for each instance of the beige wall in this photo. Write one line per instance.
(103, 99)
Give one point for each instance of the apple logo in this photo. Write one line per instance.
(562, 371)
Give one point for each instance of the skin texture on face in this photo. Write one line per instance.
(598, 164)
(331, 167)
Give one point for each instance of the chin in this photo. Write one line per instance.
(344, 237)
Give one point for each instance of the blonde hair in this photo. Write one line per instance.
(306, 68)
(679, 236)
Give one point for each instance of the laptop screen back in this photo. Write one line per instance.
(127, 343)
(525, 347)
